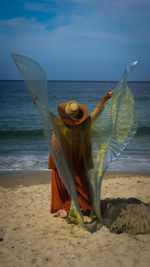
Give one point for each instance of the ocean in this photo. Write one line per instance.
(22, 146)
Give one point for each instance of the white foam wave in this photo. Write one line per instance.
(36, 163)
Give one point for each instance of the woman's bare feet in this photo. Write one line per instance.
(62, 214)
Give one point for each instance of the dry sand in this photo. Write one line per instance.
(31, 236)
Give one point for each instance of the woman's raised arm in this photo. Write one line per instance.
(99, 109)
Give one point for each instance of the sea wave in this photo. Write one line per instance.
(141, 131)
(21, 133)
(33, 163)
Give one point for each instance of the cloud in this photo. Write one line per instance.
(88, 38)
(40, 6)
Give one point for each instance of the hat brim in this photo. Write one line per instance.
(68, 120)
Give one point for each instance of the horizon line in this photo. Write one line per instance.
(131, 81)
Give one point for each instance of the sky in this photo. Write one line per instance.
(76, 39)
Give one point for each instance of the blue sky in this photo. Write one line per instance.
(76, 39)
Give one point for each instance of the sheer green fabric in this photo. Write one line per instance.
(103, 139)
(57, 136)
(111, 132)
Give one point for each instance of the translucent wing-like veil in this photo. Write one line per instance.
(57, 135)
(110, 132)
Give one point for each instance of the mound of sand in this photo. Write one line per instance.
(130, 216)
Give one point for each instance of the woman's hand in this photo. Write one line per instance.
(34, 99)
(99, 109)
(108, 95)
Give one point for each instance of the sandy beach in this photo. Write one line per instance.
(31, 236)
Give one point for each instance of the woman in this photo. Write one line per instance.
(69, 139)
(75, 116)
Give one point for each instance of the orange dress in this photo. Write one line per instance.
(59, 195)
(80, 146)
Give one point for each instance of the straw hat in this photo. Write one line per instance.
(72, 113)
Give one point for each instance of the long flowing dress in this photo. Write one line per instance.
(81, 152)
(59, 195)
